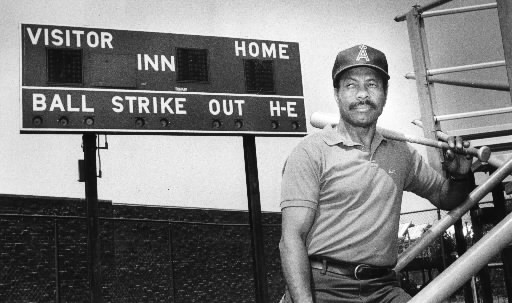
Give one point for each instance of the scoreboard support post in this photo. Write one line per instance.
(253, 198)
(91, 197)
(254, 206)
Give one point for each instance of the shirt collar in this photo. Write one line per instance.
(333, 135)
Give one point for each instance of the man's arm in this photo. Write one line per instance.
(296, 223)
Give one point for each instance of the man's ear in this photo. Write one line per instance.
(335, 92)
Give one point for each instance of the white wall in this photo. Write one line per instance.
(201, 171)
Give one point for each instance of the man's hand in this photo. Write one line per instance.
(454, 163)
(458, 166)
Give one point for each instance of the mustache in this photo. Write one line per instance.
(363, 102)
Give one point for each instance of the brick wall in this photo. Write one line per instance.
(149, 254)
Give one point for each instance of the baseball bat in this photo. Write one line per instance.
(321, 120)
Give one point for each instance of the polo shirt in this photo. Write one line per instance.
(356, 194)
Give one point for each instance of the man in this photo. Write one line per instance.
(342, 189)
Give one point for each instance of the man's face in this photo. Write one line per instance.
(361, 96)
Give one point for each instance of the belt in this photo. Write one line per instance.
(356, 271)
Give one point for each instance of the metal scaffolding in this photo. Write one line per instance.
(497, 240)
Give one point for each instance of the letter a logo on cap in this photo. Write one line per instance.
(362, 53)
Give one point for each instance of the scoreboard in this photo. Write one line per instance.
(79, 80)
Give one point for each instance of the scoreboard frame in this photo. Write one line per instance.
(109, 81)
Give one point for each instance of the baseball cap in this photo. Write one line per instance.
(359, 55)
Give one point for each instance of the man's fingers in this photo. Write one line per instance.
(451, 142)
(449, 155)
(458, 143)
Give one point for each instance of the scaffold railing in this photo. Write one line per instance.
(438, 229)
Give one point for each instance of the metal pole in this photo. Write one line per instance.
(473, 287)
(56, 257)
(478, 113)
(422, 9)
(462, 68)
(458, 10)
(253, 197)
(461, 245)
(483, 274)
(432, 5)
(91, 197)
(474, 84)
(476, 195)
(468, 264)
(172, 291)
(441, 238)
(425, 90)
(471, 83)
(505, 20)
(498, 199)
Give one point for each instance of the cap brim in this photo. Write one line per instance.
(358, 65)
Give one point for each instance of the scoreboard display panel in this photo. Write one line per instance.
(78, 80)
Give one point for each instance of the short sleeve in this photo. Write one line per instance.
(422, 179)
(300, 184)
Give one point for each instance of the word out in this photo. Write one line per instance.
(227, 106)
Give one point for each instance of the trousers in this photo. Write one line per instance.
(329, 287)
